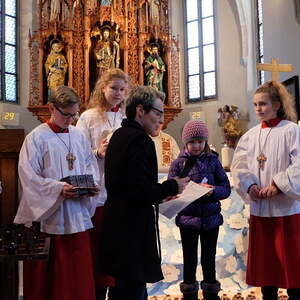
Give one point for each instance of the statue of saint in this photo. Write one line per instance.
(228, 119)
(107, 50)
(54, 10)
(154, 69)
(56, 66)
(154, 12)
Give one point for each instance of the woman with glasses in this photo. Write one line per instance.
(103, 117)
(52, 151)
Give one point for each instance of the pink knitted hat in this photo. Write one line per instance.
(194, 129)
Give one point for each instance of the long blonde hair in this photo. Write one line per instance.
(278, 93)
(97, 98)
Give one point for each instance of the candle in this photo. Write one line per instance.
(298, 123)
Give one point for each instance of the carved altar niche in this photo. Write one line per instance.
(79, 27)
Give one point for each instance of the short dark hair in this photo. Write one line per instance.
(144, 95)
(64, 96)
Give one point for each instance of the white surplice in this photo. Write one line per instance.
(96, 128)
(282, 150)
(42, 163)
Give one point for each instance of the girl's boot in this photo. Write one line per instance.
(210, 290)
(189, 290)
(269, 292)
(294, 294)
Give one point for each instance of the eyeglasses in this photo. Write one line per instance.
(159, 112)
(67, 115)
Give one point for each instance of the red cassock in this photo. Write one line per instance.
(66, 275)
(274, 251)
(101, 280)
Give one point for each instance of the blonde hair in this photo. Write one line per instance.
(97, 98)
(277, 92)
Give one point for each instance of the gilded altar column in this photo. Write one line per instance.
(126, 37)
(140, 46)
(169, 67)
(87, 47)
(41, 72)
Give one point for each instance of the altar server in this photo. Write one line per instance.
(105, 114)
(266, 172)
(52, 151)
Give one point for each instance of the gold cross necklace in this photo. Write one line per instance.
(70, 157)
(261, 158)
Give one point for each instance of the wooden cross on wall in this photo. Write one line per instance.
(274, 67)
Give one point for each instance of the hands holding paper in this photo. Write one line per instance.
(182, 183)
(191, 193)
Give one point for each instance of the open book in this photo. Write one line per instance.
(192, 192)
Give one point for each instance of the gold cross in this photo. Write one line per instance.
(70, 158)
(274, 67)
(261, 160)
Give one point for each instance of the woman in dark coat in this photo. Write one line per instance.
(130, 245)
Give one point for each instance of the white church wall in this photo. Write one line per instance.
(231, 75)
(281, 35)
(281, 32)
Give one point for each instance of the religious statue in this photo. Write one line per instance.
(56, 66)
(107, 51)
(92, 5)
(154, 69)
(77, 3)
(228, 119)
(54, 10)
(154, 11)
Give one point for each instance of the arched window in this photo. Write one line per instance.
(260, 40)
(9, 41)
(200, 49)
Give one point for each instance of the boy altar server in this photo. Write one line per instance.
(52, 151)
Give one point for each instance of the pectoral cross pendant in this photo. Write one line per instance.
(70, 158)
(261, 160)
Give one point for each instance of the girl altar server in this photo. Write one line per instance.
(104, 116)
(202, 218)
(266, 172)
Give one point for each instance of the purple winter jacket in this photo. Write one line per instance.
(205, 212)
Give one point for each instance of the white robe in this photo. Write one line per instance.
(42, 163)
(282, 149)
(95, 129)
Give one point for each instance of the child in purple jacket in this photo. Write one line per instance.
(203, 216)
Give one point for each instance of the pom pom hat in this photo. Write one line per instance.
(194, 129)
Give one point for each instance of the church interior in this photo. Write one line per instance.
(210, 56)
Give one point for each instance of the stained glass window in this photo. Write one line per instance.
(200, 49)
(8, 53)
(260, 45)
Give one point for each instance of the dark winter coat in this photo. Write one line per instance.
(129, 244)
(205, 212)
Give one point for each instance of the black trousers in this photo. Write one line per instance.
(129, 290)
(208, 240)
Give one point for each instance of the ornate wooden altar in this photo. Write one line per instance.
(133, 27)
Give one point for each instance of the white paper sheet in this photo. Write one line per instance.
(192, 192)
